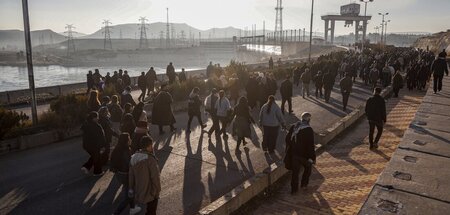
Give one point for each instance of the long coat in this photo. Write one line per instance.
(162, 109)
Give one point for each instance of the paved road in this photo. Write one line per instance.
(347, 170)
(195, 170)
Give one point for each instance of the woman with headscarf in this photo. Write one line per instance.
(93, 143)
(270, 118)
(105, 122)
(242, 122)
(93, 102)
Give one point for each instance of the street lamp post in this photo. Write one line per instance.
(382, 25)
(310, 30)
(385, 31)
(26, 29)
(365, 14)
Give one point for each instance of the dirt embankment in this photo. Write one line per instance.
(435, 42)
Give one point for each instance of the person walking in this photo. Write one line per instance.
(242, 122)
(271, 63)
(170, 72)
(89, 81)
(376, 114)
(128, 125)
(142, 85)
(397, 83)
(105, 122)
(286, 91)
(162, 113)
(144, 177)
(150, 76)
(270, 119)
(140, 131)
(300, 151)
(306, 79)
(210, 107)
(210, 70)
(182, 76)
(120, 165)
(438, 68)
(374, 76)
(139, 114)
(194, 105)
(328, 83)
(115, 109)
(223, 109)
(346, 85)
(94, 143)
(252, 91)
(126, 79)
(93, 103)
(127, 98)
(318, 81)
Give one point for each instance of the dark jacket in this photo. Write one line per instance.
(162, 109)
(126, 80)
(142, 82)
(107, 129)
(286, 89)
(120, 160)
(346, 85)
(306, 77)
(194, 104)
(328, 81)
(116, 112)
(376, 109)
(302, 145)
(397, 81)
(439, 67)
(127, 98)
(93, 136)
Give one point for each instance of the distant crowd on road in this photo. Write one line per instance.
(133, 159)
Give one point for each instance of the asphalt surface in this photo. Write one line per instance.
(194, 170)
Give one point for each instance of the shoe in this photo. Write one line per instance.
(85, 170)
(225, 136)
(375, 145)
(244, 143)
(135, 210)
(204, 126)
(99, 174)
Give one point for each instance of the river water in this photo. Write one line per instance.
(16, 78)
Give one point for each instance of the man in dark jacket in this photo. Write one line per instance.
(397, 83)
(142, 84)
(126, 79)
(286, 94)
(162, 110)
(182, 76)
(346, 85)
(301, 151)
(94, 143)
(328, 83)
(194, 105)
(170, 72)
(306, 79)
(210, 103)
(90, 81)
(126, 97)
(438, 68)
(151, 78)
(376, 114)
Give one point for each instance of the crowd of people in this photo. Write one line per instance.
(133, 159)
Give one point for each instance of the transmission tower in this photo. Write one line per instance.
(279, 20)
(107, 44)
(167, 30)
(143, 42)
(70, 41)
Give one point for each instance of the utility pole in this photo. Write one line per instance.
(70, 41)
(107, 44)
(365, 14)
(26, 24)
(167, 30)
(382, 25)
(385, 31)
(143, 42)
(310, 30)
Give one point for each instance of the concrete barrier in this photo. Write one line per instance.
(239, 195)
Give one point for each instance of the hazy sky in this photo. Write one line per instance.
(87, 15)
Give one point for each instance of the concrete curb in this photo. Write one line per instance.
(252, 187)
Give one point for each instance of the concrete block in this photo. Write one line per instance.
(31, 141)
(415, 177)
(9, 145)
(238, 196)
(383, 201)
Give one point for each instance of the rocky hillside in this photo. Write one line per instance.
(435, 42)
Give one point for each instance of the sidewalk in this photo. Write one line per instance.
(194, 170)
(346, 170)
